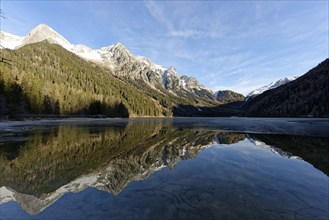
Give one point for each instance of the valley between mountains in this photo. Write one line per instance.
(44, 75)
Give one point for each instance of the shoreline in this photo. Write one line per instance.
(286, 126)
(69, 117)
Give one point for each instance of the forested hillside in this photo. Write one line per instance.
(228, 96)
(45, 78)
(306, 96)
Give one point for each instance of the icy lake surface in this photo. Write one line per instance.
(165, 168)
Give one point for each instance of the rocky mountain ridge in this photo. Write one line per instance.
(306, 96)
(57, 77)
(117, 57)
(270, 86)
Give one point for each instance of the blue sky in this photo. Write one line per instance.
(237, 45)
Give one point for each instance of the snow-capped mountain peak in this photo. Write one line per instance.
(172, 70)
(272, 85)
(115, 57)
(9, 41)
(170, 78)
(192, 83)
(44, 32)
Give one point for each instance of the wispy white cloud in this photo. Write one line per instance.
(231, 45)
(194, 34)
(158, 14)
(183, 22)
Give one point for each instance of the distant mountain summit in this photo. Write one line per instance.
(50, 75)
(307, 96)
(62, 78)
(228, 96)
(43, 32)
(272, 85)
(120, 60)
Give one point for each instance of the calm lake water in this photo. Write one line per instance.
(182, 168)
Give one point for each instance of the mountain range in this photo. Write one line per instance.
(116, 57)
(46, 74)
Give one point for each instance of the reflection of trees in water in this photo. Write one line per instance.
(54, 158)
(230, 138)
(121, 154)
(314, 150)
(115, 156)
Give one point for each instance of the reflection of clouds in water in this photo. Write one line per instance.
(231, 176)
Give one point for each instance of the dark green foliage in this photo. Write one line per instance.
(51, 159)
(101, 108)
(15, 93)
(97, 108)
(12, 99)
(122, 111)
(57, 108)
(47, 79)
(310, 149)
(204, 111)
(47, 106)
(306, 96)
(228, 96)
(230, 138)
(3, 102)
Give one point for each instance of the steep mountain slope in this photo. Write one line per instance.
(272, 85)
(122, 64)
(43, 32)
(305, 96)
(46, 78)
(9, 41)
(228, 96)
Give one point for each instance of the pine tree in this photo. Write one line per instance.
(57, 108)
(47, 106)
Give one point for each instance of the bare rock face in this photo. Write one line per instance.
(170, 79)
(123, 63)
(116, 55)
(192, 83)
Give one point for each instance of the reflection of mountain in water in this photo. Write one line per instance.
(311, 149)
(70, 159)
(73, 158)
(229, 138)
(275, 150)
